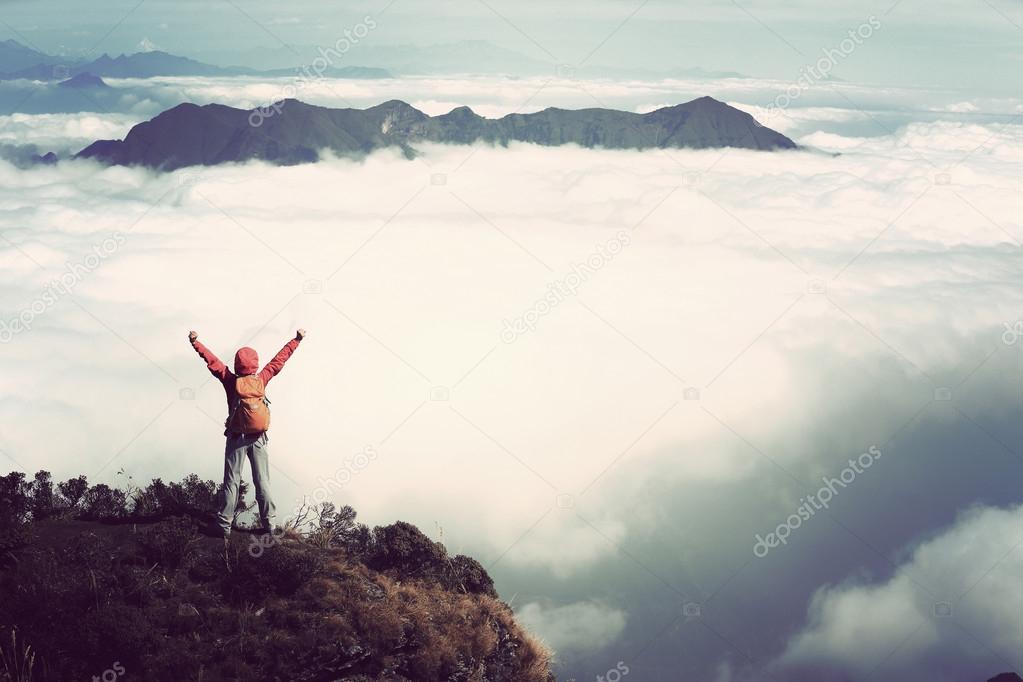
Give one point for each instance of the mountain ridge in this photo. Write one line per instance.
(14, 55)
(150, 64)
(461, 57)
(292, 132)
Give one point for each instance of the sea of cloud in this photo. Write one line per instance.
(602, 373)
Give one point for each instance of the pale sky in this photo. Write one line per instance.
(950, 43)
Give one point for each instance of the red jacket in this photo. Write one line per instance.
(246, 362)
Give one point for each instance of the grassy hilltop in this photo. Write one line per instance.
(103, 583)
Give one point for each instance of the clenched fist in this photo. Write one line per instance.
(300, 334)
(192, 336)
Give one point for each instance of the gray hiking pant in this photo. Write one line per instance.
(253, 446)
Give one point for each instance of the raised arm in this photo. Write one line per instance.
(277, 364)
(213, 363)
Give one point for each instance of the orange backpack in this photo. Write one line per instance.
(251, 414)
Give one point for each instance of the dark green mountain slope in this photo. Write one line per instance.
(295, 132)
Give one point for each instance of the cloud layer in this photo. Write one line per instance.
(581, 627)
(953, 598)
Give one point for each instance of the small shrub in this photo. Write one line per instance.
(15, 512)
(151, 500)
(288, 568)
(103, 503)
(117, 632)
(359, 543)
(279, 569)
(192, 496)
(72, 491)
(89, 551)
(207, 568)
(404, 548)
(468, 575)
(12, 537)
(328, 527)
(15, 501)
(171, 544)
(195, 493)
(43, 503)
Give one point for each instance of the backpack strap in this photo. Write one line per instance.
(234, 408)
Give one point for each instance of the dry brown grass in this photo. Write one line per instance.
(436, 631)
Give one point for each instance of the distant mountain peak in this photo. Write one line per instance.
(700, 102)
(462, 112)
(394, 104)
(83, 80)
(189, 135)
